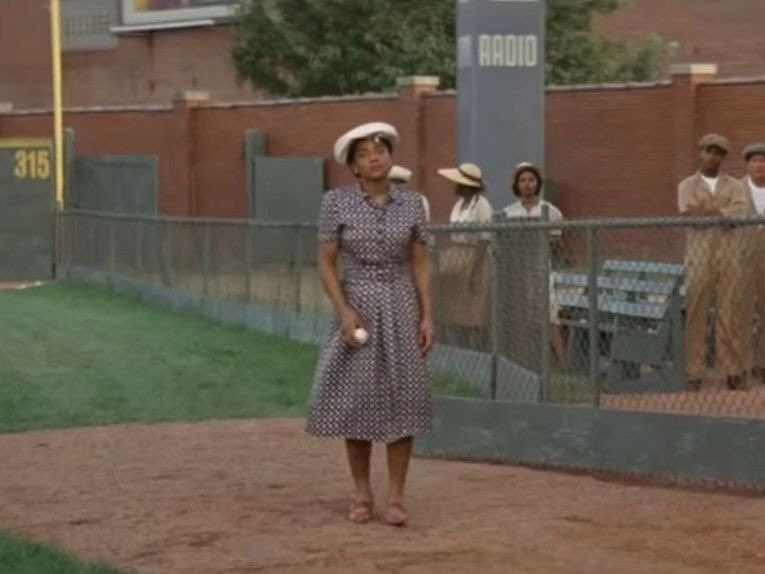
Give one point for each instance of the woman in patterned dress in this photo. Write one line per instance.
(378, 390)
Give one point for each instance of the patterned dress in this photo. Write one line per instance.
(380, 391)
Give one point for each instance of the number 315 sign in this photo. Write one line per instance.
(32, 164)
(26, 169)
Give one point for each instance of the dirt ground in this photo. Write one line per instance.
(241, 497)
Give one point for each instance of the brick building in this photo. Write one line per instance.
(109, 61)
(728, 32)
(116, 58)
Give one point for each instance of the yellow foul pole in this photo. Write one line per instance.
(58, 121)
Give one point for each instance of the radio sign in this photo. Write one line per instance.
(510, 50)
(500, 87)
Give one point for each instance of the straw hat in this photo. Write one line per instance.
(370, 130)
(468, 174)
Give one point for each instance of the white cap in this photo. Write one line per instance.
(364, 131)
(400, 173)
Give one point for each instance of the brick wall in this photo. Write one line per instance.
(438, 149)
(611, 150)
(608, 151)
(736, 110)
(25, 73)
(117, 132)
(291, 130)
(150, 67)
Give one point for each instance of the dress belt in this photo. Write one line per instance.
(377, 273)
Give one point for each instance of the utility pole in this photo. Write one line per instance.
(58, 123)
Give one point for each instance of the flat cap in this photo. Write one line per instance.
(754, 149)
(716, 140)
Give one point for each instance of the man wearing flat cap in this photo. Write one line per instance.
(754, 184)
(714, 267)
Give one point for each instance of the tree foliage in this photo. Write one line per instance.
(575, 55)
(321, 47)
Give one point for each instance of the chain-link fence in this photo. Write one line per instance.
(270, 264)
(653, 315)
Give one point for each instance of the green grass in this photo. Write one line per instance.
(571, 389)
(18, 556)
(78, 356)
(451, 387)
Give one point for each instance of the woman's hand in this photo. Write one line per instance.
(425, 335)
(350, 321)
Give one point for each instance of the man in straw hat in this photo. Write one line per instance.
(371, 382)
(754, 184)
(713, 267)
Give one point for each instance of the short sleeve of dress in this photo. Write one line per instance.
(483, 210)
(484, 214)
(555, 214)
(420, 229)
(329, 218)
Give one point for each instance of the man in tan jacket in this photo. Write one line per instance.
(713, 267)
(754, 184)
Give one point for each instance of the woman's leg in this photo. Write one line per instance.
(359, 455)
(399, 454)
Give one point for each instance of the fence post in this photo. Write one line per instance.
(206, 259)
(544, 387)
(164, 256)
(59, 244)
(74, 260)
(139, 249)
(592, 293)
(298, 268)
(113, 247)
(494, 275)
(437, 286)
(58, 238)
(248, 262)
(67, 239)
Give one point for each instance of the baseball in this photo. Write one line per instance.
(360, 335)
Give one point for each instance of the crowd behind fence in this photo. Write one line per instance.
(640, 314)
